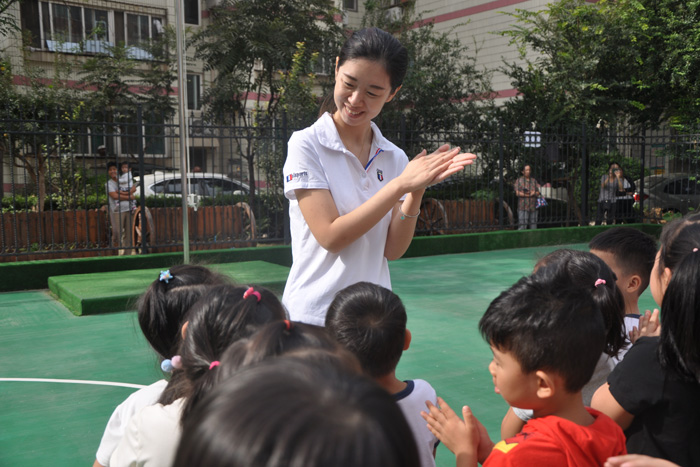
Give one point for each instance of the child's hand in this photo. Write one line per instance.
(649, 325)
(460, 437)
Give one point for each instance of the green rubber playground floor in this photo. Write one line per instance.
(60, 423)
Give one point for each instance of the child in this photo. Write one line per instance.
(566, 268)
(354, 197)
(546, 341)
(160, 314)
(286, 411)
(370, 321)
(226, 314)
(630, 254)
(653, 393)
(126, 182)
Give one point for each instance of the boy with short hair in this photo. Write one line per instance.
(630, 253)
(546, 344)
(370, 321)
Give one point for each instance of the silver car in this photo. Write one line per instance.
(677, 192)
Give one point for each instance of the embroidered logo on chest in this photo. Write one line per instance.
(380, 175)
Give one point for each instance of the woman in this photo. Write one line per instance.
(354, 197)
(611, 185)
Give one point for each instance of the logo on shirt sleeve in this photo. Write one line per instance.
(297, 176)
(380, 175)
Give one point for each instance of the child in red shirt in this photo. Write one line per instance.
(546, 339)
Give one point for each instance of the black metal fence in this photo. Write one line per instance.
(55, 203)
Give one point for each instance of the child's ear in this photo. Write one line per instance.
(546, 384)
(183, 331)
(633, 284)
(407, 340)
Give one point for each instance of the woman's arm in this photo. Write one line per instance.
(335, 232)
(604, 401)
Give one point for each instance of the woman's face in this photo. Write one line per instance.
(362, 87)
(613, 168)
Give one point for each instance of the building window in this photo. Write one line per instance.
(194, 92)
(350, 5)
(191, 11)
(58, 27)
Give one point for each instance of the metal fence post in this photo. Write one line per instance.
(640, 188)
(142, 192)
(500, 172)
(584, 176)
(285, 146)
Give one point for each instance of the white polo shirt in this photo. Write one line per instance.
(317, 159)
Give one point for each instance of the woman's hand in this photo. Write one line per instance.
(637, 460)
(427, 169)
(649, 325)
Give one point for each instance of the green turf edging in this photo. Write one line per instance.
(507, 239)
(29, 275)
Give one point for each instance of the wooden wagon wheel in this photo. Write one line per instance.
(137, 230)
(248, 228)
(433, 218)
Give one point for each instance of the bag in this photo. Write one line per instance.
(541, 202)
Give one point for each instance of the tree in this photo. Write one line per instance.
(443, 89)
(247, 43)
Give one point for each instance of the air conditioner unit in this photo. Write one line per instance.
(200, 128)
(394, 13)
(258, 65)
(213, 3)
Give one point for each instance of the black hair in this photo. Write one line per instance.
(581, 269)
(634, 251)
(111, 164)
(376, 45)
(275, 339)
(215, 321)
(370, 321)
(546, 328)
(162, 308)
(290, 412)
(123, 163)
(680, 326)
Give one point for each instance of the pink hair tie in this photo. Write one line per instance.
(598, 282)
(214, 364)
(288, 324)
(695, 250)
(251, 291)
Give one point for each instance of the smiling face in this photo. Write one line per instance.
(362, 87)
(112, 172)
(526, 171)
(517, 388)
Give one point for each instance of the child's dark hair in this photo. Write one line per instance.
(370, 321)
(162, 308)
(289, 412)
(225, 314)
(111, 164)
(275, 339)
(123, 163)
(545, 328)
(680, 326)
(634, 251)
(376, 45)
(581, 269)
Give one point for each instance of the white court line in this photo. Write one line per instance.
(74, 381)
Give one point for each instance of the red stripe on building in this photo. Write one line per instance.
(475, 10)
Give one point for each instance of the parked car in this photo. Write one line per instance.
(200, 183)
(677, 192)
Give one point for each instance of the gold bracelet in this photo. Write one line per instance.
(404, 215)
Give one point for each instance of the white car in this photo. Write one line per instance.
(203, 184)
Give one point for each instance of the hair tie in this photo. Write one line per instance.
(168, 365)
(695, 250)
(251, 291)
(165, 276)
(214, 364)
(598, 282)
(288, 324)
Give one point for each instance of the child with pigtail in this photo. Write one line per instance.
(227, 313)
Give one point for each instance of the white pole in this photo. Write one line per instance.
(184, 131)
